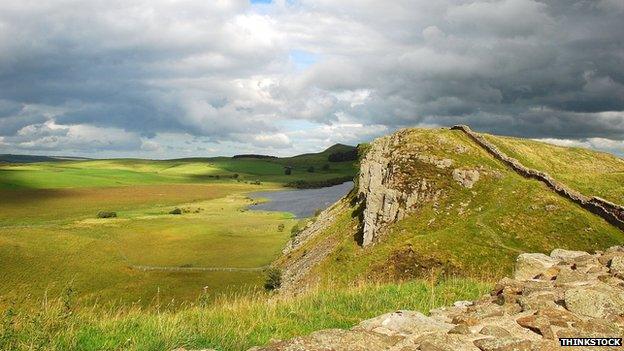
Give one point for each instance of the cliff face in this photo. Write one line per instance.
(393, 182)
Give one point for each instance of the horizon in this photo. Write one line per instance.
(162, 80)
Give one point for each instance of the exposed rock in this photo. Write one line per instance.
(617, 265)
(466, 177)
(460, 329)
(538, 324)
(503, 344)
(519, 314)
(445, 342)
(568, 255)
(336, 340)
(530, 265)
(387, 192)
(495, 330)
(404, 323)
(597, 301)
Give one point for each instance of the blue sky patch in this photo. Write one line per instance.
(303, 59)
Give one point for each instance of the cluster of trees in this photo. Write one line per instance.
(311, 169)
(254, 156)
(341, 156)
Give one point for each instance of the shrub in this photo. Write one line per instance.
(106, 214)
(273, 279)
(280, 227)
(287, 170)
(311, 169)
(341, 156)
(325, 167)
(175, 211)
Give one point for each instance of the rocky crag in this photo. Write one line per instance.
(611, 212)
(392, 183)
(567, 294)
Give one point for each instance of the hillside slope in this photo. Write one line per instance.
(307, 170)
(603, 173)
(434, 202)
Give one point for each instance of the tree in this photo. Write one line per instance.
(287, 170)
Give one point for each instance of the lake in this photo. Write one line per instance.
(302, 203)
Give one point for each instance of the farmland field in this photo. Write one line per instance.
(52, 242)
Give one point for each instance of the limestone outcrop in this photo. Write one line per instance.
(563, 295)
(386, 191)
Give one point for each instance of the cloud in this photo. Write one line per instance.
(231, 75)
(603, 144)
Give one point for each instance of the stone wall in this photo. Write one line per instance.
(611, 212)
(563, 295)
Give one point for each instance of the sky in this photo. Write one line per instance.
(164, 79)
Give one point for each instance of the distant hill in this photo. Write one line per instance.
(10, 158)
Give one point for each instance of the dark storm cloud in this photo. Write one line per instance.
(224, 72)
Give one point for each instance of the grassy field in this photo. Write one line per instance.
(124, 172)
(50, 238)
(590, 172)
(228, 325)
(58, 242)
(474, 232)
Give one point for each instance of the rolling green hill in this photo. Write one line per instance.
(453, 229)
(122, 172)
(444, 217)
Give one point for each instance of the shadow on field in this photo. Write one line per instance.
(21, 196)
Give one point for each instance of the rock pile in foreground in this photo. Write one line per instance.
(566, 294)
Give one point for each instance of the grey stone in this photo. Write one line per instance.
(530, 265)
(403, 323)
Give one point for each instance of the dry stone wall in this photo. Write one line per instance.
(611, 212)
(562, 295)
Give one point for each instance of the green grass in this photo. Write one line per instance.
(49, 235)
(591, 172)
(62, 241)
(229, 324)
(124, 172)
(472, 232)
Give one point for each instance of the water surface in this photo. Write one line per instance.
(302, 203)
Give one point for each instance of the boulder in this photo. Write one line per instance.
(567, 255)
(466, 177)
(503, 344)
(617, 265)
(445, 342)
(530, 265)
(404, 323)
(495, 330)
(597, 301)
